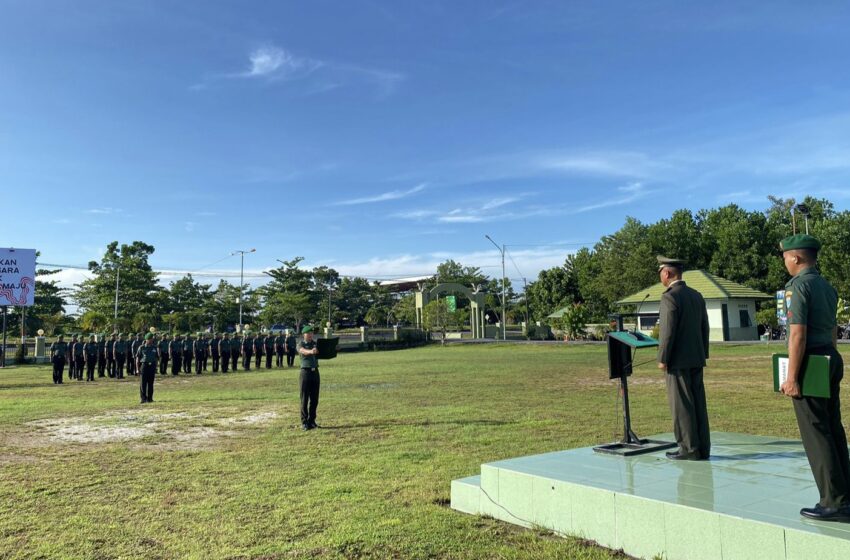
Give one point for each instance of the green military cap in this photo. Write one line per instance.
(306, 329)
(666, 261)
(799, 241)
(148, 336)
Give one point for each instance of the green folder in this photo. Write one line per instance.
(815, 377)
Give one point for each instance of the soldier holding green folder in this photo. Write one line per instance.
(811, 304)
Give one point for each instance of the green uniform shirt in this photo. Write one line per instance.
(235, 344)
(147, 354)
(77, 348)
(175, 347)
(120, 346)
(812, 301)
(58, 349)
(290, 343)
(187, 345)
(90, 349)
(310, 362)
(163, 346)
(269, 345)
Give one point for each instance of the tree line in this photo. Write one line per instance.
(729, 241)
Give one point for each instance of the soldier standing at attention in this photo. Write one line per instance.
(146, 359)
(215, 352)
(235, 351)
(258, 351)
(79, 359)
(279, 349)
(72, 363)
(175, 354)
(163, 354)
(120, 353)
(188, 349)
(268, 348)
(224, 350)
(198, 353)
(58, 352)
(309, 378)
(131, 354)
(812, 304)
(290, 348)
(247, 351)
(682, 351)
(101, 355)
(90, 357)
(109, 351)
(206, 348)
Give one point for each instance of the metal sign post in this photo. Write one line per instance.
(3, 348)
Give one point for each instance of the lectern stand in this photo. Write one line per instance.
(621, 349)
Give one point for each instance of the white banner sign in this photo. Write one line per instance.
(17, 276)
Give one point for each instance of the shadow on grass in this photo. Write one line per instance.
(419, 424)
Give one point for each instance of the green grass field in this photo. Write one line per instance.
(219, 468)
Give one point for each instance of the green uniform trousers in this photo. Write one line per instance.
(686, 396)
(823, 436)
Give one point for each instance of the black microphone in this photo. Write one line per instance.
(637, 314)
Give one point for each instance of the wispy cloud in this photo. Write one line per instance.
(383, 197)
(189, 226)
(271, 63)
(105, 210)
(206, 214)
(628, 194)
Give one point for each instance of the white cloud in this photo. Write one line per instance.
(105, 210)
(383, 197)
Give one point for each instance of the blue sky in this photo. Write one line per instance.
(381, 138)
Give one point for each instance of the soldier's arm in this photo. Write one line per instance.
(668, 320)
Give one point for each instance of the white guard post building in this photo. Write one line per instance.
(731, 307)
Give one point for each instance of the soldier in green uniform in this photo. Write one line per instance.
(101, 355)
(175, 354)
(811, 304)
(279, 349)
(188, 349)
(215, 352)
(164, 354)
(79, 359)
(72, 364)
(198, 353)
(58, 354)
(146, 359)
(206, 348)
(247, 351)
(224, 352)
(109, 351)
(120, 353)
(90, 357)
(268, 349)
(235, 351)
(309, 378)
(291, 349)
(682, 351)
(258, 351)
(137, 343)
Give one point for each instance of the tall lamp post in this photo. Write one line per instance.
(502, 252)
(241, 280)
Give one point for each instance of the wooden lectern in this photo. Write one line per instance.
(622, 346)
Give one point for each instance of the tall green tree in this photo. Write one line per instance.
(138, 291)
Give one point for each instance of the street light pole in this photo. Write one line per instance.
(502, 251)
(115, 314)
(241, 280)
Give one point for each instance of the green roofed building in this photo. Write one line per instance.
(731, 307)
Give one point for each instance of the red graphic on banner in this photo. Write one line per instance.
(8, 293)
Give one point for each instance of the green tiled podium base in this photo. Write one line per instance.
(743, 503)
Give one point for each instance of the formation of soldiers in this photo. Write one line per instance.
(185, 353)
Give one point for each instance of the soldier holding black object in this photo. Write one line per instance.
(682, 352)
(811, 304)
(309, 378)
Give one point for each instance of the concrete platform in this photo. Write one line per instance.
(744, 503)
